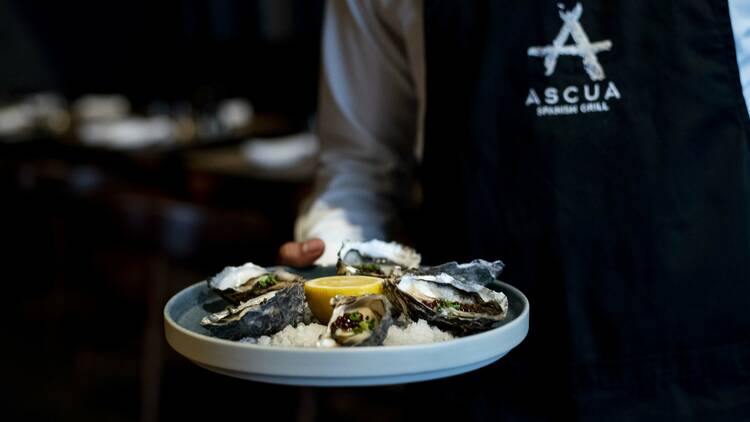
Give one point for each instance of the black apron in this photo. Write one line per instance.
(601, 151)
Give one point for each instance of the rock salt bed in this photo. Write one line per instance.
(306, 335)
(419, 332)
(303, 335)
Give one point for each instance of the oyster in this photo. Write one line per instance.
(477, 271)
(261, 315)
(238, 284)
(375, 257)
(459, 306)
(357, 321)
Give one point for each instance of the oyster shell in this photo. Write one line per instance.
(375, 257)
(261, 315)
(357, 321)
(239, 284)
(477, 271)
(459, 306)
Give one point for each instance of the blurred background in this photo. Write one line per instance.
(143, 147)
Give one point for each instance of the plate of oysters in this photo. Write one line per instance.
(378, 317)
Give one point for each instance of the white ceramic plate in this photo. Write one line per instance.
(341, 366)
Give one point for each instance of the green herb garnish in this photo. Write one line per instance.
(364, 326)
(448, 304)
(267, 281)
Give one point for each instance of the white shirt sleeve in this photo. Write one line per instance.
(739, 11)
(368, 121)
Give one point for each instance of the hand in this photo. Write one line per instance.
(301, 254)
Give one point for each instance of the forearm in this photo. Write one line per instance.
(367, 124)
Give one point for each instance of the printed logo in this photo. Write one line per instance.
(567, 100)
(583, 47)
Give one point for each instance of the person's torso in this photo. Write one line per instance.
(600, 149)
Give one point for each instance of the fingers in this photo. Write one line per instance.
(301, 254)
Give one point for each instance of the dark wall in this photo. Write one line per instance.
(194, 50)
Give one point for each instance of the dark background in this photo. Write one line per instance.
(99, 238)
(264, 49)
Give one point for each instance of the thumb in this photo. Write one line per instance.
(301, 254)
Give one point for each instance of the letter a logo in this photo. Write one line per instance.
(582, 48)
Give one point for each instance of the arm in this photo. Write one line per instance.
(368, 123)
(739, 12)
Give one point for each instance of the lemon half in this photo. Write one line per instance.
(320, 291)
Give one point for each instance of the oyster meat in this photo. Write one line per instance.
(357, 321)
(261, 315)
(239, 284)
(459, 306)
(375, 258)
